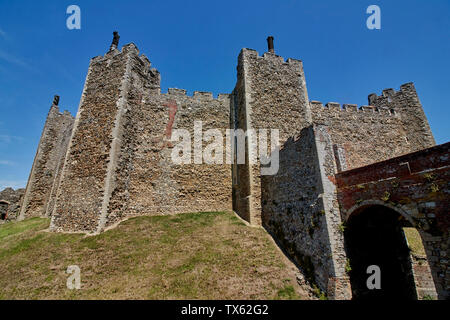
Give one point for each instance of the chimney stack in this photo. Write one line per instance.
(55, 100)
(115, 41)
(270, 44)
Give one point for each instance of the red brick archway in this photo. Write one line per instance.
(416, 186)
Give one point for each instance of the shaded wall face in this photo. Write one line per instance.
(3, 210)
(241, 171)
(294, 211)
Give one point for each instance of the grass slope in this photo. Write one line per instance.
(187, 256)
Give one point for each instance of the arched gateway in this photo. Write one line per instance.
(374, 236)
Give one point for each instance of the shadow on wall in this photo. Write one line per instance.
(292, 210)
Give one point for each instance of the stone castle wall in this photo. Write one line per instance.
(361, 136)
(10, 202)
(119, 160)
(406, 103)
(150, 182)
(270, 94)
(80, 198)
(45, 173)
(393, 125)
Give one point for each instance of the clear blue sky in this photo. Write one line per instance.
(195, 44)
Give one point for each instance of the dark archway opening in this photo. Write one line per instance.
(374, 236)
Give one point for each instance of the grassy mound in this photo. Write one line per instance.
(187, 256)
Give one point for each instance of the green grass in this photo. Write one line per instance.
(186, 256)
(414, 241)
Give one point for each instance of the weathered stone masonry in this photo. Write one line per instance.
(119, 161)
(45, 173)
(116, 161)
(10, 201)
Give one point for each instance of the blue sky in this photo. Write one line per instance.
(195, 44)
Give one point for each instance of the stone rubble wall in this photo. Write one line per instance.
(119, 161)
(148, 181)
(417, 186)
(302, 212)
(80, 196)
(362, 136)
(45, 172)
(13, 199)
(406, 103)
(270, 94)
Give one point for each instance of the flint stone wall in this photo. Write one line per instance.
(14, 199)
(45, 172)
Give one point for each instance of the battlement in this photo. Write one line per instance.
(268, 56)
(317, 106)
(130, 47)
(65, 113)
(54, 109)
(198, 95)
(405, 89)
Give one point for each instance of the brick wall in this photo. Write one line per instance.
(415, 185)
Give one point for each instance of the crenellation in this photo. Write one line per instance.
(295, 62)
(224, 96)
(334, 106)
(406, 105)
(145, 61)
(388, 92)
(350, 107)
(370, 109)
(176, 92)
(372, 98)
(202, 95)
(317, 106)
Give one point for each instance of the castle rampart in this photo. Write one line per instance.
(118, 162)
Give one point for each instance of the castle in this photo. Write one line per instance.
(341, 168)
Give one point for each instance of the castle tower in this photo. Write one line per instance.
(91, 161)
(270, 93)
(406, 103)
(46, 170)
(119, 162)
